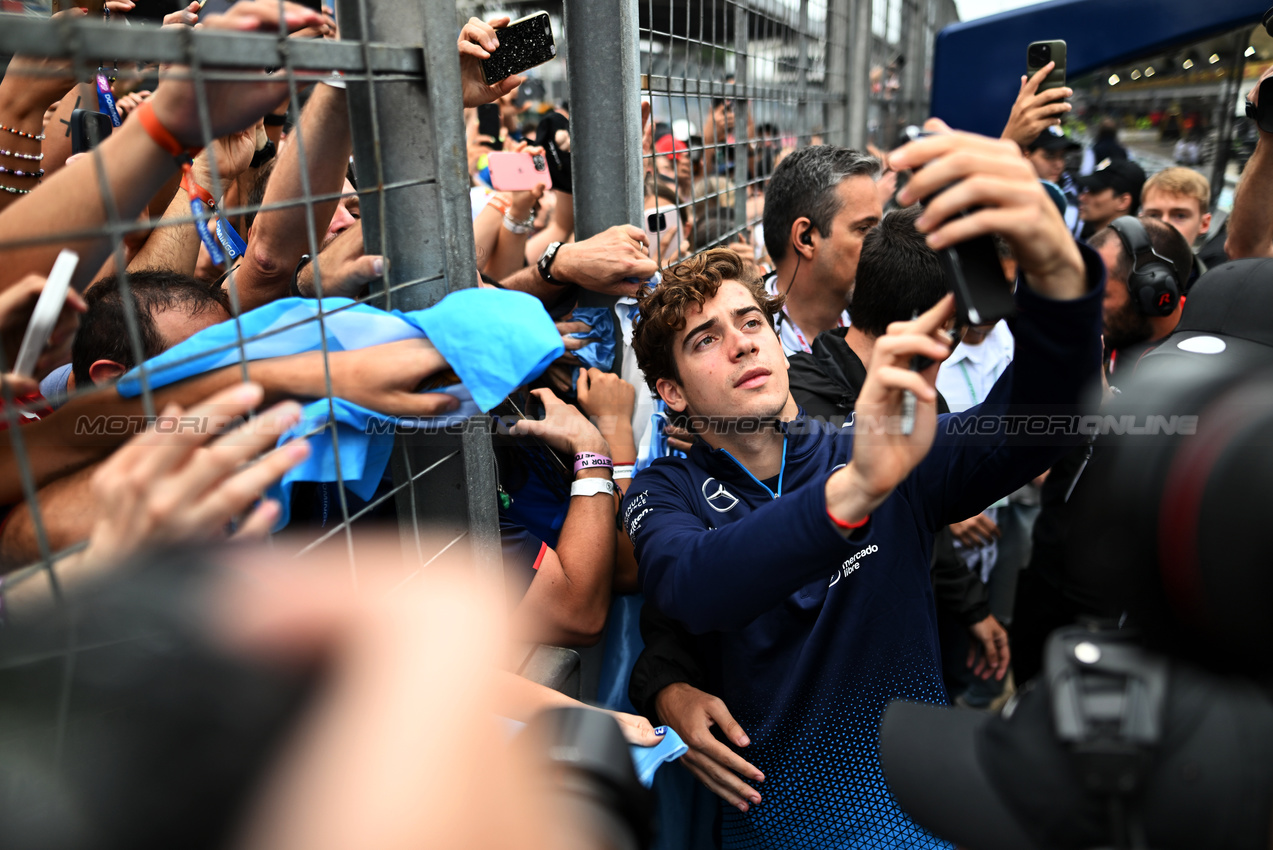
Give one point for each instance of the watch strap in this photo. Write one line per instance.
(545, 265)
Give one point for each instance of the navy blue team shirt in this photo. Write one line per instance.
(808, 636)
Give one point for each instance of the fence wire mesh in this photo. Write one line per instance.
(421, 262)
(732, 86)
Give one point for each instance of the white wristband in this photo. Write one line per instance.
(623, 470)
(592, 486)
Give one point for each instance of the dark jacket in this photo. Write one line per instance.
(806, 635)
(826, 385)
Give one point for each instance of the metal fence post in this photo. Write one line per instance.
(837, 64)
(406, 130)
(605, 114)
(859, 73)
(741, 79)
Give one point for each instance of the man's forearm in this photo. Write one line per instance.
(279, 237)
(1251, 222)
(528, 280)
(174, 247)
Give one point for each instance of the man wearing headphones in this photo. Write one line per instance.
(1148, 263)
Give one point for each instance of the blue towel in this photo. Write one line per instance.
(598, 354)
(645, 760)
(496, 340)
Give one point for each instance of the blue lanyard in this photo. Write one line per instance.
(105, 99)
(781, 470)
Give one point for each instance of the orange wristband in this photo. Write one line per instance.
(847, 526)
(159, 134)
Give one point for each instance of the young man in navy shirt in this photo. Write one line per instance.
(799, 555)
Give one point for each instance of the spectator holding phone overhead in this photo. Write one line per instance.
(809, 692)
(1251, 222)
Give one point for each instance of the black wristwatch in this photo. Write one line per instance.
(545, 265)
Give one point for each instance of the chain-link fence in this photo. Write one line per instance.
(731, 87)
(402, 105)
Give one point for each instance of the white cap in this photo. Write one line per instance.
(682, 129)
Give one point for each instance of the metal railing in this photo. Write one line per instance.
(404, 104)
(732, 84)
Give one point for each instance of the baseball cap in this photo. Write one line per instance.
(1121, 175)
(670, 144)
(1009, 782)
(1054, 139)
(1225, 317)
(683, 130)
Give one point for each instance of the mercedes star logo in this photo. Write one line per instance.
(718, 498)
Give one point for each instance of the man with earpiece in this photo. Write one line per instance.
(820, 204)
(1147, 263)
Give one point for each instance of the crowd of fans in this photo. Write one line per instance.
(779, 477)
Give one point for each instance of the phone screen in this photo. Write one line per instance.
(489, 122)
(88, 129)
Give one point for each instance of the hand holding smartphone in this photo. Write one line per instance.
(88, 129)
(1040, 53)
(489, 123)
(47, 309)
(518, 172)
(983, 295)
(523, 44)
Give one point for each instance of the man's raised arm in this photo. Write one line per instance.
(1251, 222)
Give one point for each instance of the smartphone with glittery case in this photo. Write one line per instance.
(523, 44)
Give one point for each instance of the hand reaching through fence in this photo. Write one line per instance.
(477, 39)
(184, 480)
(17, 303)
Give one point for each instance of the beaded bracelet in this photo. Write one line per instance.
(14, 191)
(34, 157)
(18, 172)
(38, 138)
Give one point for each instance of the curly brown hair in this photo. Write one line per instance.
(663, 308)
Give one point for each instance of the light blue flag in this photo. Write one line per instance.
(496, 340)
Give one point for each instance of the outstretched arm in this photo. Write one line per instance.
(1251, 222)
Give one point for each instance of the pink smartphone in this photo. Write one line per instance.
(517, 172)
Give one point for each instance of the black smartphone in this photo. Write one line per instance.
(983, 295)
(490, 124)
(558, 159)
(88, 129)
(523, 44)
(1040, 53)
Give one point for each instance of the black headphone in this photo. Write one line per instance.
(1152, 282)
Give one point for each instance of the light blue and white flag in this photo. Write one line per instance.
(495, 340)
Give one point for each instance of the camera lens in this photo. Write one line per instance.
(1040, 54)
(540, 165)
